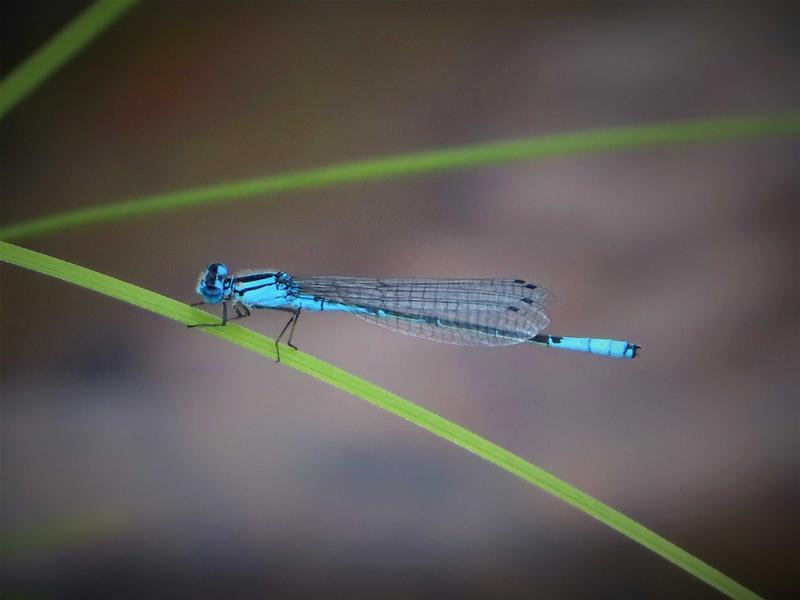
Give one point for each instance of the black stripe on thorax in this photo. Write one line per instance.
(254, 277)
(254, 288)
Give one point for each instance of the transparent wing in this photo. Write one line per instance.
(470, 312)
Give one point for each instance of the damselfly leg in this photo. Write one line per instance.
(240, 310)
(291, 322)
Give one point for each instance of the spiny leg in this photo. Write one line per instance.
(241, 312)
(291, 322)
(291, 331)
(224, 319)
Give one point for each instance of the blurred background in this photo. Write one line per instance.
(142, 459)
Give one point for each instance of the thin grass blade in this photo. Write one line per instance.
(79, 32)
(307, 364)
(461, 157)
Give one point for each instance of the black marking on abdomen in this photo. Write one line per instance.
(541, 338)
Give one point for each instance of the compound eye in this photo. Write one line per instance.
(211, 291)
(218, 269)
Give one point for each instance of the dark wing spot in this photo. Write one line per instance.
(513, 309)
(527, 300)
(531, 286)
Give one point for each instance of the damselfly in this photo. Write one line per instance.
(469, 312)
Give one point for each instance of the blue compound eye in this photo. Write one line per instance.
(211, 285)
(210, 293)
(214, 274)
(218, 269)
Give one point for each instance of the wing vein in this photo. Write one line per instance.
(487, 312)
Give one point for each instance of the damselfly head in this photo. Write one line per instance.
(211, 283)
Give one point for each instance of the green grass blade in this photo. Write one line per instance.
(382, 398)
(64, 45)
(600, 140)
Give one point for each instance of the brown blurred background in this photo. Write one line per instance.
(142, 459)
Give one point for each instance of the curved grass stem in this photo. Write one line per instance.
(307, 364)
(79, 32)
(597, 140)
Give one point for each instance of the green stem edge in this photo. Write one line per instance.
(305, 363)
(461, 157)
